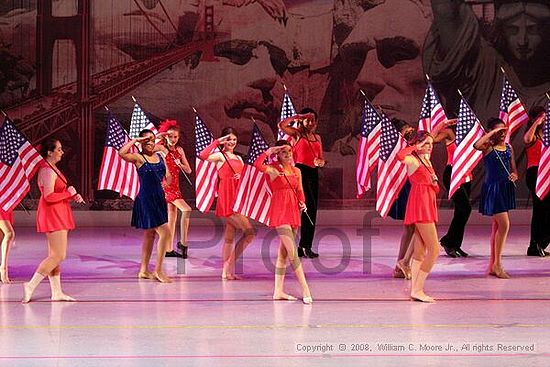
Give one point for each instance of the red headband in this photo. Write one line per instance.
(167, 125)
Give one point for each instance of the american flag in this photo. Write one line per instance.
(465, 158)
(139, 122)
(206, 172)
(287, 110)
(391, 173)
(18, 161)
(253, 194)
(543, 176)
(115, 173)
(369, 146)
(511, 111)
(432, 113)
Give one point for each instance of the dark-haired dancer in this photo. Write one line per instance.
(55, 218)
(497, 194)
(175, 163)
(452, 240)
(540, 219)
(229, 167)
(150, 211)
(421, 210)
(7, 236)
(308, 156)
(288, 198)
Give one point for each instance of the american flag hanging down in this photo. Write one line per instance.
(206, 172)
(287, 110)
(253, 194)
(543, 175)
(432, 113)
(115, 173)
(139, 122)
(511, 111)
(369, 146)
(391, 173)
(18, 161)
(465, 158)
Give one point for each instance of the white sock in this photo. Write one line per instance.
(28, 288)
(57, 293)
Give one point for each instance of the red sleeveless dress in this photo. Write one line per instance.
(6, 216)
(227, 186)
(54, 211)
(172, 192)
(422, 202)
(284, 208)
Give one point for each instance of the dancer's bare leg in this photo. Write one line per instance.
(57, 251)
(185, 210)
(7, 236)
(425, 255)
(287, 235)
(172, 217)
(227, 251)
(164, 241)
(242, 223)
(500, 234)
(146, 251)
(280, 271)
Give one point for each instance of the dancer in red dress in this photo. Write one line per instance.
(175, 162)
(287, 200)
(7, 236)
(229, 167)
(421, 210)
(55, 218)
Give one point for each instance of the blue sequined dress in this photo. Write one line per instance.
(497, 193)
(150, 209)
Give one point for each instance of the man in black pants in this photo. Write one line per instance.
(308, 156)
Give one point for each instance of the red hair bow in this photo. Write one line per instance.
(167, 125)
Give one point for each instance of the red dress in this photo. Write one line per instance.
(172, 192)
(6, 216)
(422, 202)
(284, 208)
(54, 212)
(227, 186)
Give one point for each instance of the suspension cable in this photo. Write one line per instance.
(168, 16)
(150, 22)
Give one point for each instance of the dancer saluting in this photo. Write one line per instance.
(150, 211)
(497, 193)
(229, 167)
(288, 198)
(421, 210)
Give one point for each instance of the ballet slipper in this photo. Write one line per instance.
(307, 300)
(405, 269)
(145, 275)
(27, 293)
(282, 296)
(4, 278)
(161, 277)
(62, 297)
(499, 272)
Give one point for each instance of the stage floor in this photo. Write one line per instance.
(360, 314)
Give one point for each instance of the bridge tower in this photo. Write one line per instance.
(49, 29)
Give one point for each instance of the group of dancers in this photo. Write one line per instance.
(293, 178)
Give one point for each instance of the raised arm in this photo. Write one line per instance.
(484, 143)
(207, 153)
(125, 153)
(267, 169)
(292, 131)
(405, 155)
(529, 136)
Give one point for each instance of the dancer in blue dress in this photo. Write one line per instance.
(150, 210)
(497, 194)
